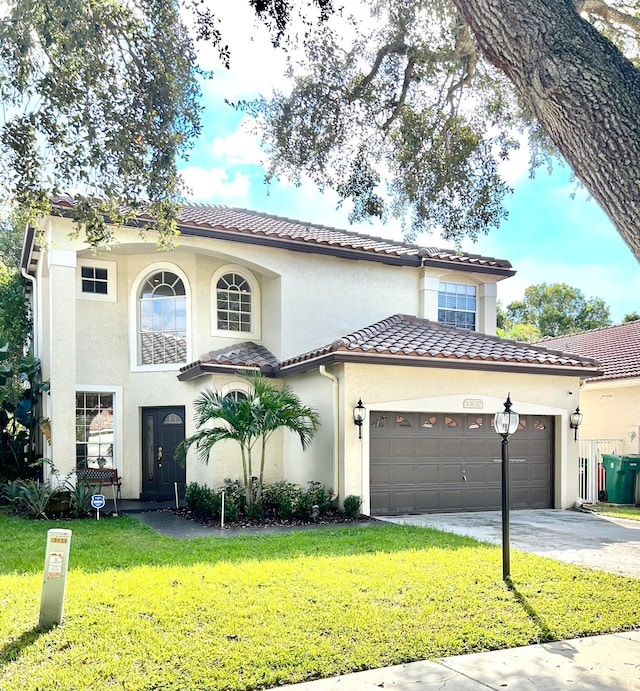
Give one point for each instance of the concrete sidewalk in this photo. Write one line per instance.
(610, 662)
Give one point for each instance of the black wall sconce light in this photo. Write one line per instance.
(574, 422)
(359, 413)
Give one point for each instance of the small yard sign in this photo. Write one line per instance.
(98, 502)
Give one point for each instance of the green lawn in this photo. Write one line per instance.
(146, 612)
(632, 512)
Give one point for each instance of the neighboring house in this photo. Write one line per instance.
(129, 337)
(610, 402)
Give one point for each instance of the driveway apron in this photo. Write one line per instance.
(578, 537)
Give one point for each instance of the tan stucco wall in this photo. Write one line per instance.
(611, 410)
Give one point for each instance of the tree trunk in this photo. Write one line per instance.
(583, 91)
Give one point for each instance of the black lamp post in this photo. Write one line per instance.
(359, 412)
(506, 423)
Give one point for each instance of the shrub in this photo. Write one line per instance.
(352, 505)
(202, 501)
(254, 512)
(321, 496)
(235, 497)
(281, 499)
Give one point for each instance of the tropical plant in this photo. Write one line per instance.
(249, 421)
(21, 387)
(80, 499)
(35, 497)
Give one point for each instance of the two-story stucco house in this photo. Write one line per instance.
(129, 337)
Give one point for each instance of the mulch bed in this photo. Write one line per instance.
(331, 518)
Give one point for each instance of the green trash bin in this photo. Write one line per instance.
(621, 473)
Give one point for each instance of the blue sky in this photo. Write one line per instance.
(548, 237)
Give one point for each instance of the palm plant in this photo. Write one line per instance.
(248, 420)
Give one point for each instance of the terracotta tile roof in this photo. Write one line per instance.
(247, 355)
(407, 337)
(207, 220)
(617, 348)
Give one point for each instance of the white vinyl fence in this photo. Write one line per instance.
(590, 470)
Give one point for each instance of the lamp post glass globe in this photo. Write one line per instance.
(506, 421)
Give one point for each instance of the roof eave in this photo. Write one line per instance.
(300, 246)
(435, 362)
(204, 368)
(471, 268)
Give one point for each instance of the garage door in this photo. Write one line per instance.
(438, 462)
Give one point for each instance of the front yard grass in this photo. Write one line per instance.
(145, 612)
(631, 512)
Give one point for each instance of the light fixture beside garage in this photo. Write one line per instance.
(506, 423)
(359, 413)
(574, 422)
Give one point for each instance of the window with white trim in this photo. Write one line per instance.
(234, 303)
(457, 305)
(96, 280)
(95, 429)
(162, 320)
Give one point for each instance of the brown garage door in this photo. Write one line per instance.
(438, 462)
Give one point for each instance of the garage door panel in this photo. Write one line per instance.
(404, 502)
(403, 448)
(380, 503)
(428, 448)
(428, 473)
(403, 474)
(380, 474)
(452, 447)
(427, 500)
(478, 448)
(438, 462)
(451, 472)
(451, 500)
(380, 447)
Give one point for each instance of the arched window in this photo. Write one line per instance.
(162, 320)
(233, 303)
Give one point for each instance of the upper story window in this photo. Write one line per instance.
(235, 303)
(162, 320)
(233, 300)
(96, 280)
(457, 305)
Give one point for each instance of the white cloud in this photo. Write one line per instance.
(216, 185)
(240, 147)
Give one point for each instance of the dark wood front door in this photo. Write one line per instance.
(162, 430)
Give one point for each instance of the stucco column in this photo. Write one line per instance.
(487, 299)
(62, 358)
(429, 287)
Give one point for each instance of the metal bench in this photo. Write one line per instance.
(100, 476)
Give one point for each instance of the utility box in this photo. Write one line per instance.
(622, 477)
(54, 581)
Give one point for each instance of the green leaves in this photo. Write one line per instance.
(104, 99)
(557, 309)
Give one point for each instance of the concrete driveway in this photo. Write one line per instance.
(578, 537)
